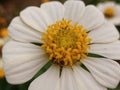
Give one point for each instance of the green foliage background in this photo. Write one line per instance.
(5, 86)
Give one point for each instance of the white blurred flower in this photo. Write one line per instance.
(111, 11)
(68, 34)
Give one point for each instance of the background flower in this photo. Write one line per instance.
(111, 10)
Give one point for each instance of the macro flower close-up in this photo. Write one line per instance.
(76, 43)
(111, 11)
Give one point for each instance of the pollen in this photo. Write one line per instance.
(109, 12)
(66, 43)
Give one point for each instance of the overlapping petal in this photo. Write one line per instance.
(55, 10)
(22, 61)
(105, 71)
(74, 10)
(92, 18)
(21, 32)
(109, 50)
(67, 80)
(36, 18)
(104, 34)
(47, 81)
(85, 80)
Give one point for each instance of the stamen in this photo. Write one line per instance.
(66, 43)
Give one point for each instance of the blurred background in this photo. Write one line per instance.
(11, 8)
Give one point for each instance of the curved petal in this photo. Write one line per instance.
(21, 32)
(117, 10)
(85, 80)
(67, 80)
(55, 10)
(104, 34)
(47, 81)
(110, 50)
(115, 20)
(2, 42)
(92, 18)
(35, 18)
(74, 10)
(22, 61)
(105, 71)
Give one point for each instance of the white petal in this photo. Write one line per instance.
(110, 50)
(115, 20)
(21, 32)
(117, 10)
(104, 34)
(74, 10)
(67, 80)
(35, 18)
(55, 10)
(22, 61)
(92, 18)
(101, 7)
(47, 81)
(85, 80)
(105, 71)
(2, 42)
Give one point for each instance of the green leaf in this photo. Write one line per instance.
(118, 88)
(61, 68)
(43, 69)
(24, 86)
(118, 28)
(4, 85)
(38, 44)
(84, 67)
(95, 55)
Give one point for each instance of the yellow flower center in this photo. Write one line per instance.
(109, 12)
(66, 43)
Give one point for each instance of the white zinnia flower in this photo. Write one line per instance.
(68, 34)
(111, 11)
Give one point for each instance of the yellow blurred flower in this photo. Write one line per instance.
(1, 70)
(3, 32)
(45, 0)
